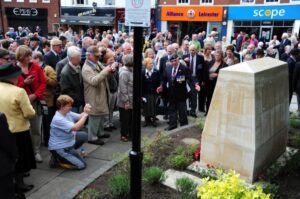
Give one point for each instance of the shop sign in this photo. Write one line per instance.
(25, 12)
(189, 13)
(264, 13)
(83, 12)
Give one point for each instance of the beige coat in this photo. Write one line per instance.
(15, 104)
(96, 89)
(51, 80)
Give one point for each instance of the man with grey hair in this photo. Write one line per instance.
(86, 42)
(52, 57)
(96, 93)
(70, 78)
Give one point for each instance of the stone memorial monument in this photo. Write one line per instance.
(247, 124)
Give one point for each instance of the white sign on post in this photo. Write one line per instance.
(137, 13)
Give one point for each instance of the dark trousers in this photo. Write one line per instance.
(193, 99)
(7, 190)
(47, 118)
(126, 122)
(175, 109)
(202, 98)
(209, 91)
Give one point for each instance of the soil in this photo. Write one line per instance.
(288, 179)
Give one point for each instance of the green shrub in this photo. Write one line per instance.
(161, 140)
(178, 161)
(295, 123)
(228, 185)
(186, 187)
(200, 122)
(153, 175)
(179, 150)
(268, 188)
(147, 158)
(190, 150)
(89, 193)
(119, 185)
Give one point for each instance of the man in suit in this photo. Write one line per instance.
(71, 80)
(162, 67)
(175, 80)
(195, 63)
(284, 42)
(52, 57)
(291, 61)
(35, 46)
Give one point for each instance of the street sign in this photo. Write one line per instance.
(137, 13)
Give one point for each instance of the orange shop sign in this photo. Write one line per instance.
(189, 13)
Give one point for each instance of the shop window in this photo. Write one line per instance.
(255, 23)
(278, 23)
(288, 23)
(206, 1)
(247, 1)
(110, 2)
(272, 1)
(79, 1)
(183, 1)
(246, 23)
(238, 23)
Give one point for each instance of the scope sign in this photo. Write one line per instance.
(268, 13)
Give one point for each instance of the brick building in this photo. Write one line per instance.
(30, 13)
(271, 17)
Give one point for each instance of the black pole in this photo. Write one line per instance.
(136, 156)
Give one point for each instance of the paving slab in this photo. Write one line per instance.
(173, 175)
(55, 189)
(190, 141)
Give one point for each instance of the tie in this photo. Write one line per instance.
(192, 63)
(174, 73)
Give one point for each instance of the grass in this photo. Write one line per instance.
(119, 185)
(153, 175)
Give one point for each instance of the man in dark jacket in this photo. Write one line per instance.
(291, 61)
(175, 80)
(52, 57)
(8, 156)
(195, 63)
(70, 79)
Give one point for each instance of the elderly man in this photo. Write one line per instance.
(196, 42)
(96, 93)
(52, 57)
(86, 42)
(70, 78)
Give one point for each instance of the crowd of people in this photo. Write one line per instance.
(62, 90)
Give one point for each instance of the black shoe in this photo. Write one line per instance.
(154, 124)
(113, 127)
(193, 115)
(155, 119)
(23, 188)
(107, 129)
(53, 163)
(96, 142)
(165, 117)
(169, 128)
(104, 136)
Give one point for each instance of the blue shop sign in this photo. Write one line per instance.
(264, 13)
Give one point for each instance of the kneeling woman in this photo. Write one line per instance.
(66, 135)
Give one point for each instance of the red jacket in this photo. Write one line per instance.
(38, 86)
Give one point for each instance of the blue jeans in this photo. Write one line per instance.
(71, 155)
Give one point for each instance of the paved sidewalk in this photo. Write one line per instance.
(61, 184)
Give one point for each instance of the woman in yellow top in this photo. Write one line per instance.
(15, 104)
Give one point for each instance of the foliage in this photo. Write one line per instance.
(228, 185)
(294, 120)
(161, 140)
(268, 188)
(148, 157)
(89, 193)
(207, 173)
(119, 185)
(178, 161)
(186, 187)
(200, 122)
(153, 175)
(191, 149)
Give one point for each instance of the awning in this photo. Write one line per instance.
(87, 20)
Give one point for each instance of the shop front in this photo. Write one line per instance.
(186, 20)
(27, 17)
(82, 18)
(259, 20)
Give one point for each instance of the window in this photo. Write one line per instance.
(20, 0)
(46, 1)
(32, 1)
(79, 1)
(272, 1)
(183, 2)
(7, 0)
(247, 1)
(110, 2)
(206, 1)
